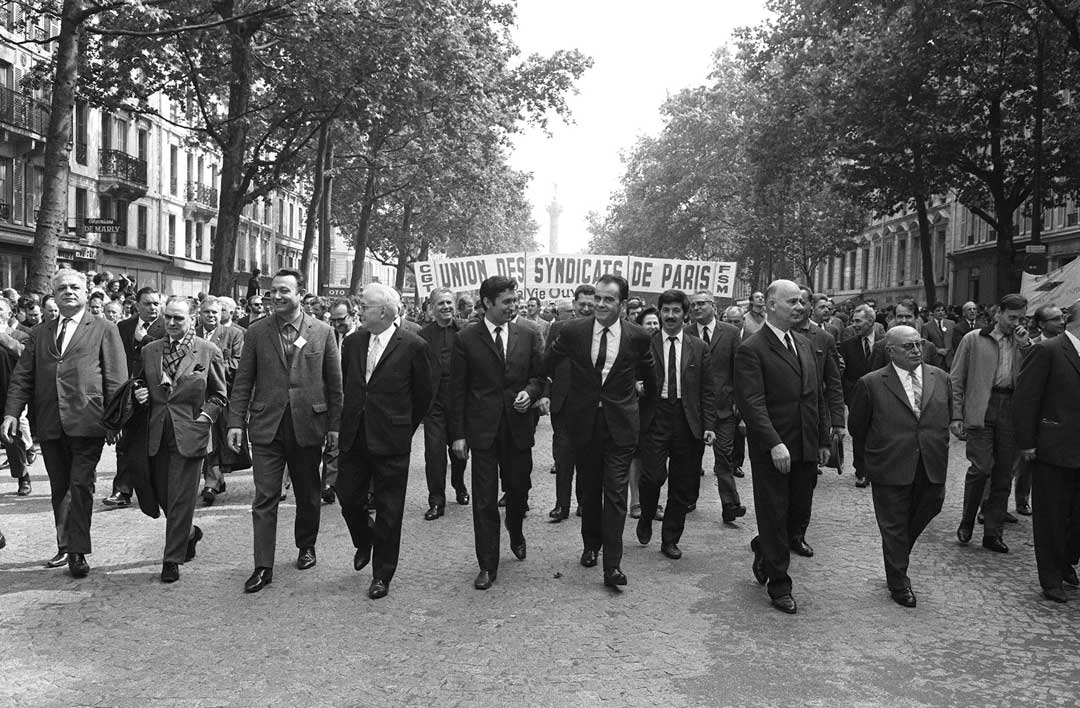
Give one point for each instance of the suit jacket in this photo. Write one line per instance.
(265, 383)
(1046, 403)
(615, 398)
(724, 339)
(892, 437)
(941, 341)
(440, 360)
(390, 406)
(849, 332)
(230, 340)
(780, 398)
(856, 365)
(960, 328)
(483, 388)
(560, 377)
(156, 330)
(409, 326)
(11, 348)
(695, 378)
(827, 361)
(198, 387)
(827, 326)
(68, 392)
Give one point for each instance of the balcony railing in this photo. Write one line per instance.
(202, 194)
(23, 111)
(118, 164)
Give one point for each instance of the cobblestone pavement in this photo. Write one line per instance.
(694, 632)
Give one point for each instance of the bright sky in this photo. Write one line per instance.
(642, 51)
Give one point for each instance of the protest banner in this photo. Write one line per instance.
(1060, 287)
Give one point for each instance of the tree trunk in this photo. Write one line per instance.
(1006, 274)
(403, 248)
(51, 221)
(313, 211)
(926, 249)
(326, 233)
(360, 244)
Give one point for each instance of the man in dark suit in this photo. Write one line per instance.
(440, 335)
(387, 377)
(184, 387)
(495, 377)
(1046, 410)
(135, 332)
(562, 448)
(938, 331)
(677, 421)
(70, 367)
(606, 357)
(344, 314)
(970, 321)
(721, 340)
(255, 311)
(820, 315)
(12, 343)
(787, 431)
(288, 393)
(856, 352)
(895, 410)
(230, 340)
(904, 314)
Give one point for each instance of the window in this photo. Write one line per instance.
(143, 145)
(5, 189)
(143, 217)
(80, 211)
(174, 169)
(81, 137)
(172, 234)
(105, 211)
(901, 260)
(189, 240)
(33, 195)
(198, 240)
(121, 211)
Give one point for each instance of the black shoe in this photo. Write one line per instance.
(671, 550)
(1023, 508)
(577, 511)
(57, 561)
(588, 558)
(785, 603)
(378, 588)
(463, 498)
(329, 496)
(738, 472)
(659, 515)
(995, 544)
(306, 558)
(800, 546)
(518, 549)
(3, 541)
(981, 518)
(1010, 519)
(730, 513)
(259, 579)
(484, 579)
(118, 499)
(361, 558)
(862, 482)
(553, 470)
(759, 562)
(1069, 576)
(502, 500)
(559, 513)
(644, 532)
(77, 565)
(209, 496)
(1055, 594)
(433, 513)
(903, 596)
(614, 578)
(24, 486)
(193, 541)
(963, 534)
(170, 572)
(31, 455)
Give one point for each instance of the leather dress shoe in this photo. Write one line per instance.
(77, 565)
(800, 546)
(963, 535)
(24, 486)
(209, 496)
(862, 482)
(306, 558)
(995, 544)
(484, 579)
(981, 518)
(361, 558)
(785, 603)
(329, 495)
(588, 558)
(644, 532)
(577, 511)
(635, 511)
(738, 472)
(903, 596)
(463, 498)
(730, 513)
(518, 549)
(170, 572)
(57, 561)
(1023, 508)
(1010, 519)
(378, 588)
(433, 513)
(659, 515)
(614, 578)
(1069, 576)
(559, 513)
(671, 550)
(759, 562)
(259, 579)
(119, 500)
(1055, 594)
(192, 542)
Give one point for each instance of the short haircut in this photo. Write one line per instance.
(192, 304)
(1043, 313)
(818, 297)
(347, 302)
(438, 292)
(534, 299)
(96, 295)
(907, 305)
(211, 300)
(650, 310)
(1013, 301)
(707, 293)
(387, 294)
(252, 298)
(734, 308)
(491, 287)
(673, 297)
(226, 302)
(68, 272)
(624, 287)
(145, 290)
(285, 272)
(584, 289)
(937, 305)
(865, 310)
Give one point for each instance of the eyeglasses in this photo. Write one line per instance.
(912, 346)
(175, 318)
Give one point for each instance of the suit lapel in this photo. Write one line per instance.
(927, 386)
(687, 352)
(277, 343)
(512, 336)
(489, 340)
(390, 346)
(893, 383)
(79, 333)
(1070, 351)
(781, 350)
(186, 364)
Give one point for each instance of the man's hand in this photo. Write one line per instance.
(838, 432)
(235, 438)
(544, 406)
(823, 455)
(522, 402)
(9, 429)
(460, 448)
(142, 394)
(709, 437)
(331, 440)
(957, 428)
(639, 386)
(1027, 455)
(781, 458)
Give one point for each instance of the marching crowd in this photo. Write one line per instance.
(327, 396)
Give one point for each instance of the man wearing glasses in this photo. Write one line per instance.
(904, 316)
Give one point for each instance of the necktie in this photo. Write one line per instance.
(374, 352)
(288, 337)
(672, 371)
(499, 344)
(172, 361)
(705, 334)
(140, 331)
(601, 356)
(916, 392)
(866, 348)
(791, 345)
(60, 335)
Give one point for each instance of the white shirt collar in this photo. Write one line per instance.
(615, 329)
(74, 319)
(384, 336)
(678, 337)
(1074, 339)
(903, 373)
(780, 334)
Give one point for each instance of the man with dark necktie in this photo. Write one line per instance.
(230, 340)
(856, 351)
(606, 356)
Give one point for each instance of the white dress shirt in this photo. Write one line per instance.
(383, 340)
(503, 329)
(782, 336)
(678, 363)
(72, 325)
(909, 388)
(613, 337)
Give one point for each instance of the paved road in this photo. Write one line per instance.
(694, 632)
